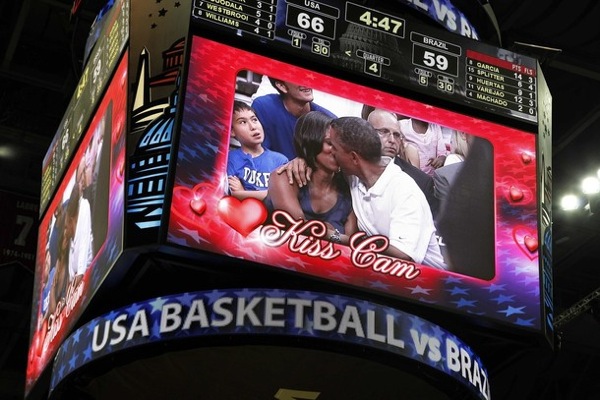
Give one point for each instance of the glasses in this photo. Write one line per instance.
(386, 133)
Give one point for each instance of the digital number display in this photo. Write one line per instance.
(306, 20)
(252, 16)
(385, 44)
(435, 54)
(374, 19)
(499, 82)
(436, 60)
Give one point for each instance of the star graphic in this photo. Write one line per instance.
(419, 290)
(214, 296)
(452, 279)
(512, 310)
(456, 290)
(380, 285)
(494, 287)
(246, 293)
(73, 361)
(75, 337)
(87, 354)
(186, 299)
(339, 276)
(133, 308)
(503, 299)
(157, 304)
(192, 233)
(525, 322)
(465, 303)
(416, 323)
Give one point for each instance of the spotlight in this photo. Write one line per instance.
(590, 185)
(570, 202)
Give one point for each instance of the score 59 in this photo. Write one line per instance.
(435, 60)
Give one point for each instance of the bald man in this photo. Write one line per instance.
(387, 126)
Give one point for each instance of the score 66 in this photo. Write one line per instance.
(311, 22)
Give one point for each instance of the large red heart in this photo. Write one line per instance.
(243, 216)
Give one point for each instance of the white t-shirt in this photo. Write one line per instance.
(395, 207)
(430, 144)
(81, 251)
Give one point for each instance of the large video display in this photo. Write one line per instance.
(81, 234)
(468, 245)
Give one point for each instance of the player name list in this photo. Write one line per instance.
(256, 17)
(501, 83)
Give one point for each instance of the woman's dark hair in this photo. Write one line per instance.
(309, 134)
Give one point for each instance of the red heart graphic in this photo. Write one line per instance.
(516, 194)
(121, 170)
(187, 205)
(526, 158)
(531, 243)
(515, 191)
(526, 239)
(198, 205)
(243, 216)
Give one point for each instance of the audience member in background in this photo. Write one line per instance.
(407, 151)
(249, 167)
(78, 228)
(45, 307)
(278, 113)
(459, 145)
(326, 196)
(60, 281)
(388, 128)
(428, 139)
(443, 178)
(466, 218)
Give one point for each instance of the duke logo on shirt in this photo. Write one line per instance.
(259, 179)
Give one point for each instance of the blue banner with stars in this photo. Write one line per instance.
(278, 312)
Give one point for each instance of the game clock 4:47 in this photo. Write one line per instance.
(374, 19)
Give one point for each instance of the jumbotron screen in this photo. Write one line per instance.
(468, 246)
(81, 234)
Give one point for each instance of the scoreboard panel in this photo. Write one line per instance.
(384, 44)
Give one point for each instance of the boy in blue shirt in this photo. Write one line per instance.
(250, 166)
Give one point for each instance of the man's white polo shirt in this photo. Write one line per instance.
(395, 207)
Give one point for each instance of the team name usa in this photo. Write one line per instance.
(308, 238)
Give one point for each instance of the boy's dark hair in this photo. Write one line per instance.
(239, 105)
